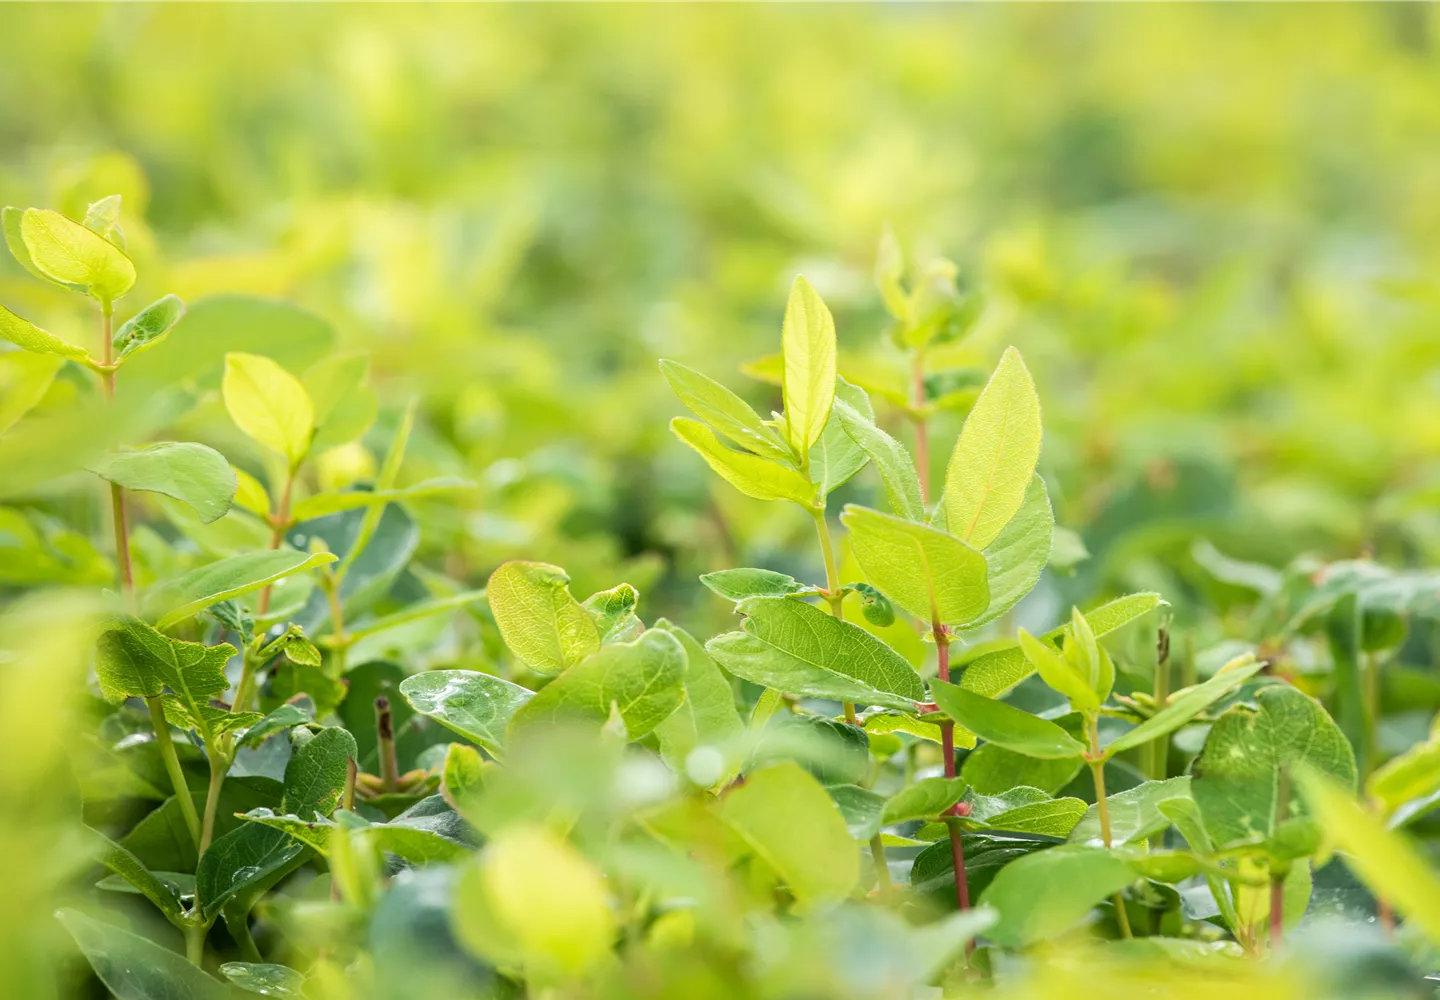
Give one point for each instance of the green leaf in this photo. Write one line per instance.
(120, 861)
(994, 459)
(738, 584)
(269, 404)
(135, 660)
(534, 899)
(286, 717)
(324, 504)
(191, 473)
(103, 217)
(725, 411)
(239, 861)
(133, 968)
(993, 672)
(1050, 818)
(1043, 894)
(787, 818)
(892, 461)
(641, 680)
(148, 327)
(797, 648)
(24, 334)
(11, 217)
(1388, 862)
(414, 612)
(1058, 672)
(66, 252)
(24, 380)
(1187, 703)
(1237, 775)
(266, 979)
(345, 406)
(477, 706)
(707, 717)
(925, 799)
(807, 344)
(374, 517)
(932, 575)
(754, 476)
(1005, 725)
(1134, 813)
(315, 776)
(543, 625)
(1413, 775)
(836, 458)
(861, 808)
(614, 613)
(176, 600)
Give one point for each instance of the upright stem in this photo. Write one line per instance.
(947, 750)
(882, 870)
(385, 734)
(833, 595)
(218, 768)
(339, 641)
(279, 521)
(195, 943)
(117, 495)
(1277, 911)
(172, 766)
(248, 665)
(1102, 806)
(347, 798)
(240, 931)
(922, 430)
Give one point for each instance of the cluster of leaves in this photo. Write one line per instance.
(607, 806)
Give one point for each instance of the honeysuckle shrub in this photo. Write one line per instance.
(268, 747)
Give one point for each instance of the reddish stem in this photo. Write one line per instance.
(947, 747)
(1277, 912)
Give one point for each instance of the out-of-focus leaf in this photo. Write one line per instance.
(322, 504)
(786, 818)
(176, 600)
(1042, 894)
(265, 978)
(191, 473)
(24, 380)
(1184, 705)
(133, 968)
(24, 334)
(707, 716)
(994, 459)
(269, 404)
(1134, 813)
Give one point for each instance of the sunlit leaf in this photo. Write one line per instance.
(756, 477)
(807, 343)
(543, 625)
(191, 473)
(929, 573)
(269, 404)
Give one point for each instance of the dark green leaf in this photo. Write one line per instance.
(133, 968)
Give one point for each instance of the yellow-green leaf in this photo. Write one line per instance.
(930, 574)
(995, 457)
(754, 476)
(24, 334)
(269, 404)
(65, 251)
(24, 380)
(807, 343)
(1385, 860)
(545, 627)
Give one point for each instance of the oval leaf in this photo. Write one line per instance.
(1005, 725)
(932, 575)
(754, 476)
(475, 705)
(191, 473)
(269, 404)
(807, 344)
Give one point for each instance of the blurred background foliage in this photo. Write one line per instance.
(1209, 229)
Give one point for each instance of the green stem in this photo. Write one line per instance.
(279, 521)
(195, 943)
(922, 429)
(117, 495)
(834, 596)
(244, 940)
(1102, 806)
(219, 766)
(882, 870)
(339, 641)
(248, 668)
(172, 766)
